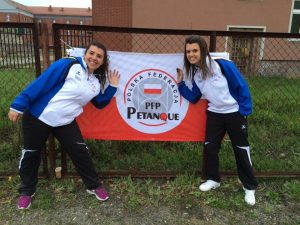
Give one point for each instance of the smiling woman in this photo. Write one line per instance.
(57, 3)
(50, 104)
(229, 104)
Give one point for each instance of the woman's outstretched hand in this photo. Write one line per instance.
(13, 116)
(179, 75)
(113, 77)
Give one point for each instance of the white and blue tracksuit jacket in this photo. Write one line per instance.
(226, 91)
(57, 98)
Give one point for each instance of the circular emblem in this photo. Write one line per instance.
(151, 102)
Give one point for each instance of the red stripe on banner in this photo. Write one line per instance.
(107, 124)
(152, 91)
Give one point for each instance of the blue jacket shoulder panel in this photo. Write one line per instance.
(45, 86)
(79, 59)
(237, 86)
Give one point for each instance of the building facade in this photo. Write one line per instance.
(11, 11)
(14, 12)
(246, 15)
(278, 16)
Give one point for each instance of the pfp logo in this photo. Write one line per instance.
(151, 102)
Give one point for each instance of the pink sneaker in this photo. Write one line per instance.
(100, 193)
(24, 201)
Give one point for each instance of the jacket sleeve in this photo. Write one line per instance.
(103, 99)
(191, 95)
(237, 86)
(41, 85)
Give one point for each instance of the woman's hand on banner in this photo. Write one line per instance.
(179, 75)
(114, 77)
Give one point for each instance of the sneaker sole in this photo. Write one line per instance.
(93, 193)
(250, 203)
(24, 207)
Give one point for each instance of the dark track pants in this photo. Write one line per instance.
(237, 128)
(35, 134)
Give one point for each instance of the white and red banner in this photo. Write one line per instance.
(147, 105)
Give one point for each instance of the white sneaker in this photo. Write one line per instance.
(249, 196)
(208, 185)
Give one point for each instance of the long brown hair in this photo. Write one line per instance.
(204, 53)
(102, 71)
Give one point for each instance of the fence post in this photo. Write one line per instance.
(51, 142)
(213, 41)
(52, 154)
(45, 45)
(36, 50)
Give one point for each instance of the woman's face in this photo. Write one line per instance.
(94, 58)
(193, 53)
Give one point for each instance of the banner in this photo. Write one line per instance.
(147, 105)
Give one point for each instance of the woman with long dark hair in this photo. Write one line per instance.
(50, 104)
(229, 104)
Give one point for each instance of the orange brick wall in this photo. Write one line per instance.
(113, 13)
(116, 13)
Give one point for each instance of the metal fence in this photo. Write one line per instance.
(19, 64)
(19, 46)
(269, 61)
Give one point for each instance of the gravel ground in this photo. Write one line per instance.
(76, 207)
(113, 213)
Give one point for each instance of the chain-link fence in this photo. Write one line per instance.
(270, 63)
(19, 64)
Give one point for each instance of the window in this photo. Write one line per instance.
(20, 31)
(7, 18)
(295, 25)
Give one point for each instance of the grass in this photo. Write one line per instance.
(274, 130)
(179, 202)
(12, 82)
